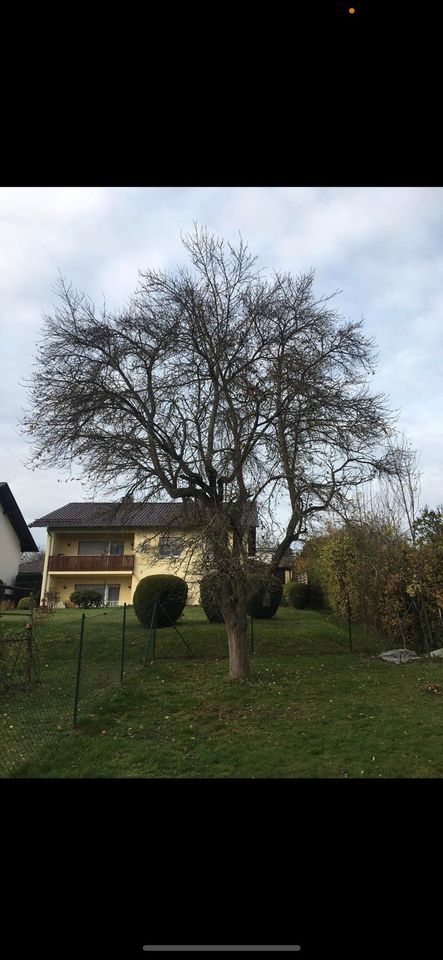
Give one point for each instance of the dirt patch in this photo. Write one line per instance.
(432, 688)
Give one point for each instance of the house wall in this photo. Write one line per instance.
(10, 550)
(64, 584)
(146, 563)
(66, 541)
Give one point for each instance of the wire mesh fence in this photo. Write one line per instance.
(52, 671)
(53, 675)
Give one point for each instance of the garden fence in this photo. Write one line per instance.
(53, 676)
(53, 672)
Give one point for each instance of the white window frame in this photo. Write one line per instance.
(112, 603)
(94, 586)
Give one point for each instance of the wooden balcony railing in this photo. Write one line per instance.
(116, 563)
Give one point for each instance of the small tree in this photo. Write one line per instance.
(218, 387)
(428, 526)
(50, 600)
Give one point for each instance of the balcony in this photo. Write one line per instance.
(105, 562)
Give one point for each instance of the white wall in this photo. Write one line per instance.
(10, 550)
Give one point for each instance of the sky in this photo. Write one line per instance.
(381, 247)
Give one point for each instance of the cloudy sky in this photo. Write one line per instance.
(381, 247)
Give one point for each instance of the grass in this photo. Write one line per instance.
(310, 709)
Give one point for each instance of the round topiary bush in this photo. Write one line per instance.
(171, 593)
(265, 597)
(297, 594)
(210, 606)
(23, 603)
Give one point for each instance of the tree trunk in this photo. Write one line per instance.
(233, 606)
(237, 630)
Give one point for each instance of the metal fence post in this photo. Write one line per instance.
(123, 643)
(252, 634)
(79, 663)
(349, 622)
(30, 640)
(154, 635)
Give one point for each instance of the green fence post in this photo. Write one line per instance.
(79, 663)
(349, 623)
(30, 640)
(252, 634)
(123, 643)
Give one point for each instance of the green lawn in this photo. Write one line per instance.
(310, 709)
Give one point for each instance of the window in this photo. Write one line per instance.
(92, 548)
(113, 594)
(171, 547)
(99, 587)
(96, 548)
(116, 549)
(110, 592)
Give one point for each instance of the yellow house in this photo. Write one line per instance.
(110, 547)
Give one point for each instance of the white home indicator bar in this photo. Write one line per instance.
(225, 948)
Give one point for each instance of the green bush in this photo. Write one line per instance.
(316, 596)
(2, 589)
(265, 597)
(297, 594)
(23, 603)
(171, 593)
(284, 599)
(211, 608)
(86, 598)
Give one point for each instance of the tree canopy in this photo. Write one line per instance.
(218, 386)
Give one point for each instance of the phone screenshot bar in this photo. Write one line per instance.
(223, 948)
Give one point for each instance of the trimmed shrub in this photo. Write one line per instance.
(211, 608)
(265, 597)
(170, 591)
(86, 598)
(316, 596)
(297, 594)
(23, 603)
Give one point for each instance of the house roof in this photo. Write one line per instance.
(16, 518)
(117, 514)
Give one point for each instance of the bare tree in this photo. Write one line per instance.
(219, 387)
(403, 484)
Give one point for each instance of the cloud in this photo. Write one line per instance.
(382, 247)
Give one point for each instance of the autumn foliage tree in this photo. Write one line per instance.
(219, 387)
(393, 582)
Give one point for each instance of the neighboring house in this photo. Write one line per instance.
(29, 577)
(285, 569)
(110, 547)
(15, 537)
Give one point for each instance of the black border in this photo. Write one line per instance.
(99, 868)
